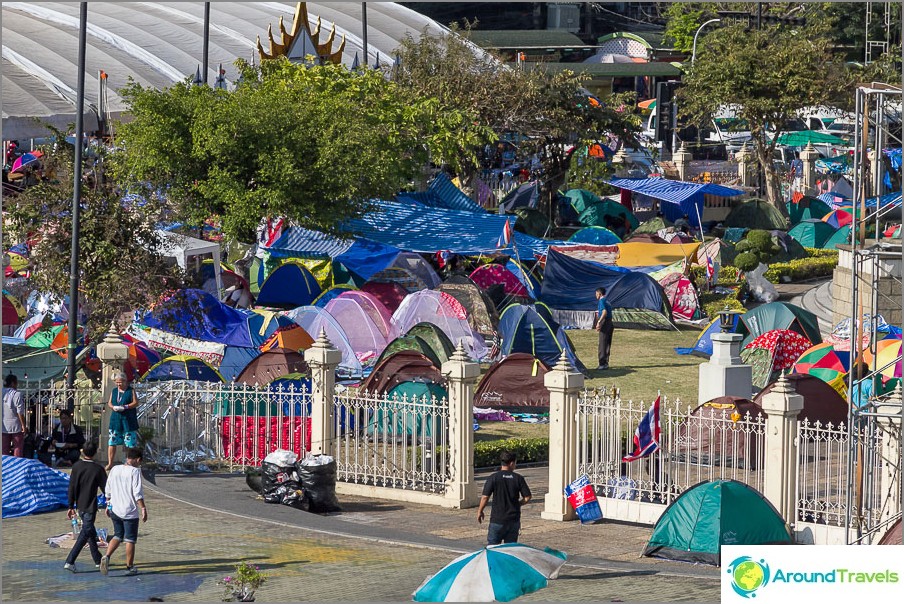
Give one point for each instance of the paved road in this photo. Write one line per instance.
(372, 551)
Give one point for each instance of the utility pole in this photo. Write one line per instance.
(364, 27)
(206, 41)
(76, 207)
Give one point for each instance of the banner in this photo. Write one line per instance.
(582, 498)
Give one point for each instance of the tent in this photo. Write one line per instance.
(195, 314)
(182, 367)
(530, 328)
(812, 233)
(756, 214)
(710, 514)
(445, 312)
(718, 251)
(406, 278)
(788, 247)
(482, 315)
(680, 198)
(375, 309)
(841, 237)
(779, 315)
(235, 359)
(366, 337)
(401, 366)
(490, 274)
(289, 286)
(439, 343)
(581, 199)
(703, 347)
(264, 323)
(291, 337)
(394, 420)
(30, 487)
(526, 195)
(331, 293)
(313, 320)
(595, 235)
(653, 225)
(517, 268)
(533, 222)
(822, 403)
(808, 208)
(412, 343)
(607, 212)
(515, 381)
(891, 537)
(187, 249)
(13, 312)
(414, 263)
(389, 294)
(702, 440)
(645, 238)
(271, 365)
(682, 296)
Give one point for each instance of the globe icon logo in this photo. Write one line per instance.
(748, 575)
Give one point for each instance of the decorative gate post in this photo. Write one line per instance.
(462, 373)
(682, 159)
(113, 354)
(782, 405)
(323, 359)
(808, 157)
(563, 383)
(890, 428)
(744, 157)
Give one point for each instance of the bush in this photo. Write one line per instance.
(746, 261)
(713, 304)
(727, 274)
(815, 252)
(486, 453)
(805, 268)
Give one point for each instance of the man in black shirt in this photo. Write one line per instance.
(87, 477)
(65, 443)
(509, 492)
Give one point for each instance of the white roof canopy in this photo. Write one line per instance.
(183, 247)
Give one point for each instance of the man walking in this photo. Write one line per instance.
(87, 478)
(509, 491)
(126, 504)
(604, 327)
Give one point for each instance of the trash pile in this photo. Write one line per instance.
(308, 484)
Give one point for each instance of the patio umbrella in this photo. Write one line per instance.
(13, 312)
(840, 217)
(497, 572)
(886, 352)
(800, 138)
(141, 358)
(26, 159)
(826, 362)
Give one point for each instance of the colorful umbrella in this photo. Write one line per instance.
(13, 312)
(497, 572)
(26, 159)
(827, 363)
(886, 352)
(840, 217)
(647, 104)
(894, 231)
(182, 367)
(141, 359)
(785, 346)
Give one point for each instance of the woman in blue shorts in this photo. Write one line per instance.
(123, 417)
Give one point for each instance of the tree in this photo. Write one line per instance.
(312, 143)
(546, 113)
(120, 269)
(768, 75)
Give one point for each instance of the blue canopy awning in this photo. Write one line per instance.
(684, 198)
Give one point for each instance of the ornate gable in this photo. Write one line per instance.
(302, 41)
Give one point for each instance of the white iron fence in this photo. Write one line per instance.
(44, 400)
(394, 442)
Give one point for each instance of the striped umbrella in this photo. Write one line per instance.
(886, 352)
(496, 573)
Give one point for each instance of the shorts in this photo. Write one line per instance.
(129, 439)
(124, 529)
(503, 533)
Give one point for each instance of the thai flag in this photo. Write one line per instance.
(646, 437)
(710, 270)
(506, 237)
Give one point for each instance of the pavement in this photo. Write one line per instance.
(815, 297)
(200, 525)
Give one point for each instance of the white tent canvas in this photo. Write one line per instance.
(189, 252)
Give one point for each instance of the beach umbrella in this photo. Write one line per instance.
(840, 217)
(784, 345)
(26, 159)
(496, 573)
(141, 358)
(886, 352)
(182, 367)
(826, 362)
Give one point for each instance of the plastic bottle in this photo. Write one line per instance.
(53, 460)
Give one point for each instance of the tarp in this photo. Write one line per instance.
(812, 233)
(655, 254)
(441, 193)
(195, 314)
(525, 196)
(30, 487)
(570, 284)
(683, 198)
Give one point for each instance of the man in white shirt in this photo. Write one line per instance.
(125, 497)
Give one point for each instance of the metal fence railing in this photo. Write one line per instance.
(44, 400)
(387, 441)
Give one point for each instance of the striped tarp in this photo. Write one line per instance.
(688, 196)
(30, 487)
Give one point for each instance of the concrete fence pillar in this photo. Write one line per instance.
(725, 374)
(808, 157)
(745, 157)
(462, 374)
(890, 429)
(113, 354)
(782, 406)
(323, 359)
(620, 162)
(682, 159)
(564, 384)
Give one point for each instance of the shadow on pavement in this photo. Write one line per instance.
(608, 575)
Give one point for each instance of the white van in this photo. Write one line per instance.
(725, 129)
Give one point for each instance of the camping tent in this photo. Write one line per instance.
(182, 367)
(438, 341)
(595, 235)
(189, 251)
(482, 315)
(515, 381)
(415, 344)
(366, 337)
(405, 277)
(607, 212)
(718, 251)
(530, 328)
(525, 276)
(779, 315)
(313, 320)
(490, 274)
(331, 293)
(445, 312)
(532, 222)
(396, 420)
(271, 365)
(375, 309)
(653, 225)
(806, 208)
(703, 347)
(645, 238)
(416, 264)
(389, 294)
(756, 214)
(289, 286)
(821, 402)
(401, 366)
(682, 296)
(526, 195)
(788, 247)
(291, 337)
(812, 233)
(581, 199)
(710, 514)
(711, 435)
(841, 237)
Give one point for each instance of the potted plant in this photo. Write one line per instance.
(241, 585)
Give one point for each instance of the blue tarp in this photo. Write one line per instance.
(361, 256)
(570, 284)
(682, 197)
(193, 313)
(30, 487)
(441, 193)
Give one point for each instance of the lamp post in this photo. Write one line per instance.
(694, 51)
(206, 44)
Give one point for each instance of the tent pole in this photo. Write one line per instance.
(699, 220)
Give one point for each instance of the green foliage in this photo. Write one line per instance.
(486, 453)
(728, 275)
(590, 173)
(242, 583)
(312, 144)
(755, 248)
(802, 269)
(683, 20)
(818, 252)
(713, 303)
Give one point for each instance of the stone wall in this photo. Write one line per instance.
(888, 300)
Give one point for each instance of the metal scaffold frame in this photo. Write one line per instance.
(876, 106)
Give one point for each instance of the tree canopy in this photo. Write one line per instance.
(312, 143)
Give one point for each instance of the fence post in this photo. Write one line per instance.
(782, 405)
(462, 373)
(563, 383)
(890, 430)
(744, 157)
(682, 159)
(113, 354)
(323, 359)
(808, 157)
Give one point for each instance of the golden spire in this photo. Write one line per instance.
(301, 23)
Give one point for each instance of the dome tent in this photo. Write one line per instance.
(182, 367)
(313, 320)
(401, 366)
(271, 365)
(491, 274)
(515, 381)
(376, 310)
(365, 336)
(482, 315)
(289, 286)
(530, 328)
(756, 214)
(812, 233)
(435, 338)
(389, 294)
(412, 343)
(595, 235)
(778, 315)
(397, 421)
(445, 312)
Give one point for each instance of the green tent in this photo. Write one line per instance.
(812, 233)
(396, 418)
(595, 215)
(436, 339)
(788, 247)
(761, 366)
(756, 214)
(531, 221)
(695, 526)
(807, 208)
(410, 343)
(653, 225)
(841, 237)
(581, 199)
(778, 315)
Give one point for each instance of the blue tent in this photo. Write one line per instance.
(682, 198)
(331, 294)
(289, 286)
(524, 276)
(525, 196)
(362, 257)
(595, 235)
(193, 313)
(530, 328)
(30, 487)
(570, 284)
(703, 347)
(235, 359)
(263, 324)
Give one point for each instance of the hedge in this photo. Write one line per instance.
(822, 265)
(486, 453)
(727, 274)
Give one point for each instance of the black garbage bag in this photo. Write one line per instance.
(254, 480)
(279, 484)
(318, 479)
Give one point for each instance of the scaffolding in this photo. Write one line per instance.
(875, 498)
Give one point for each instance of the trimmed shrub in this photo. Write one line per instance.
(747, 261)
(486, 453)
(805, 268)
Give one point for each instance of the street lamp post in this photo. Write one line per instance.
(694, 51)
(206, 44)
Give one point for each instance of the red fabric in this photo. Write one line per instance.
(796, 197)
(240, 433)
(784, 345)
(626, 199)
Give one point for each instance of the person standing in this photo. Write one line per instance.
(13, 417)
(125, 497)
(123, 417)
(87, 478)
(510, 492)
(604, 327)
